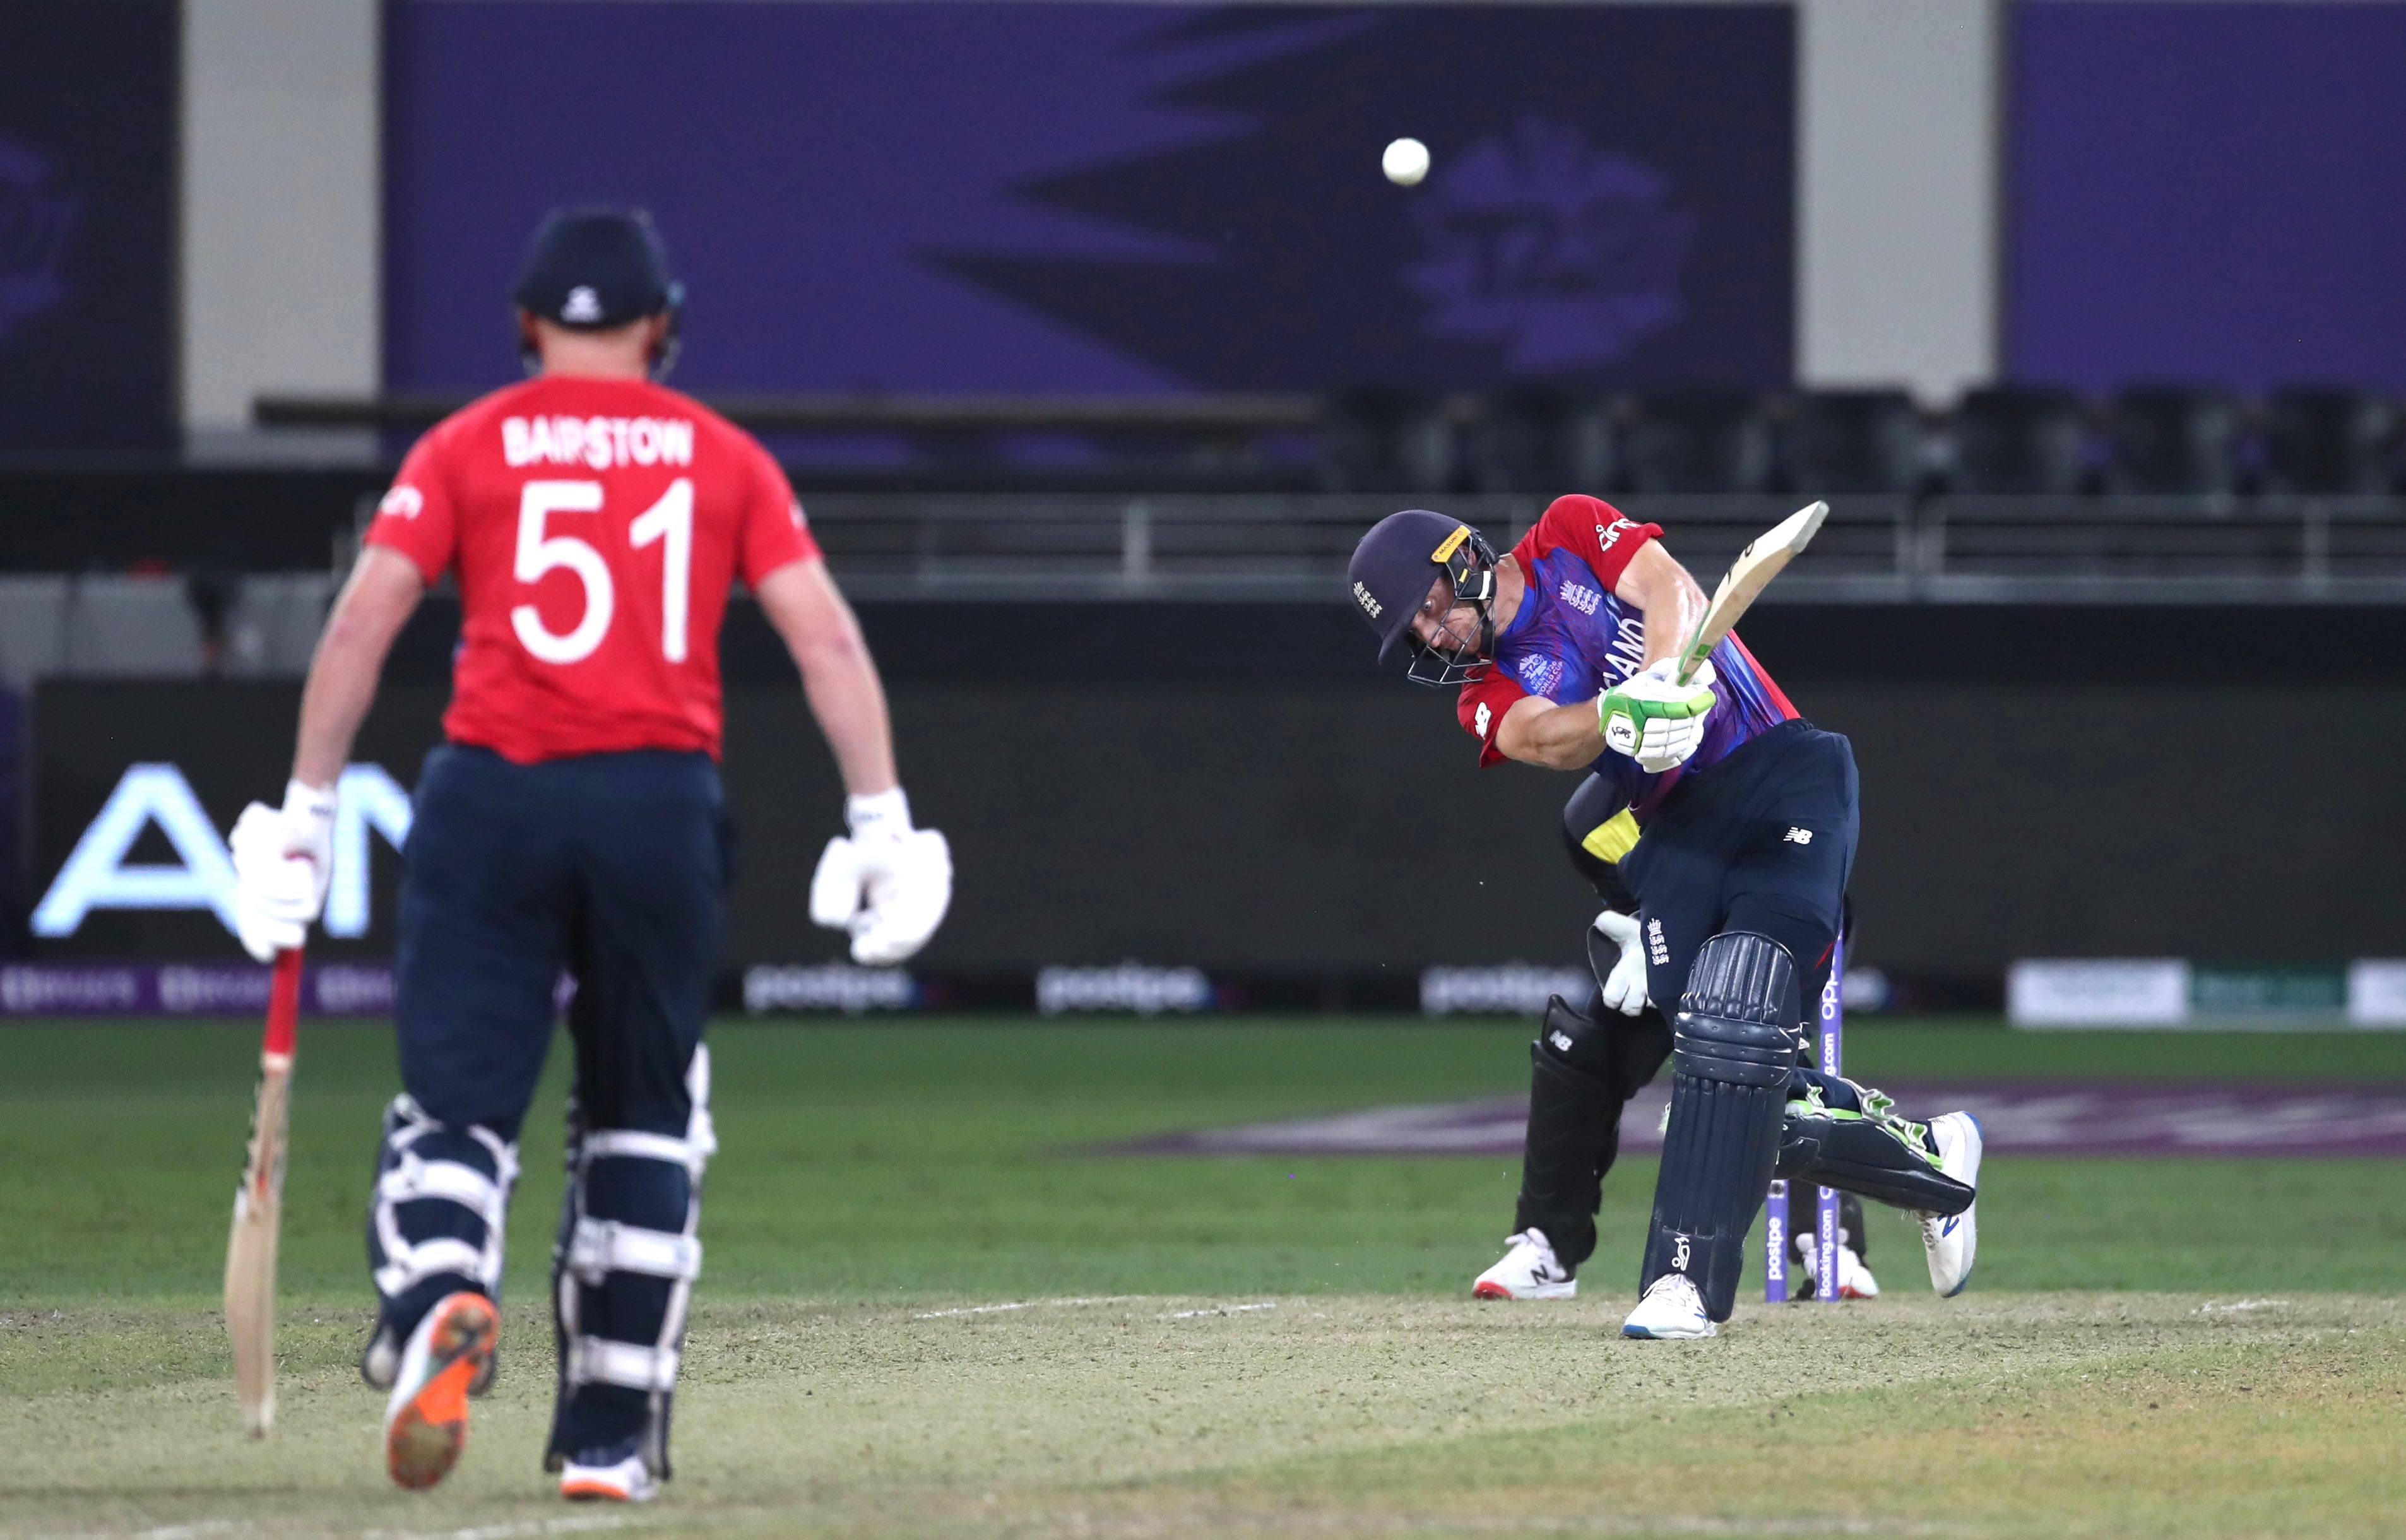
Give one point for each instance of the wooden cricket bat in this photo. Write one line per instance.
(258, 1208)
(1749, 575)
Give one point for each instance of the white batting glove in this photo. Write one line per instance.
(888, 883)
(283, 862)
(1624, 987)
(1654, 720)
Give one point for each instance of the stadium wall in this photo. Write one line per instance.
(1318, 827)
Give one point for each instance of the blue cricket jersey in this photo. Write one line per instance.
(1572, 638)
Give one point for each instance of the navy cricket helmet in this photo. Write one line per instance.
(1393, 568)
(597, 267)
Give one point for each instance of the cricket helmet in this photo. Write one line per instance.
(1393, 568)
(597, 267)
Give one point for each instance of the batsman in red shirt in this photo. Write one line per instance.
(572, 821)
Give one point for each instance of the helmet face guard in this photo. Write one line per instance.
(1468, 563)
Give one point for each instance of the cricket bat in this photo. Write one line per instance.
(1749, 575)
(258, 1208)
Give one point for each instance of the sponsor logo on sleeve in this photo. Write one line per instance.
(1608, 535)
(1484, 719)
(1370, 606)
(402, 501)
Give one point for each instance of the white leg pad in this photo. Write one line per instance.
(599, 1361)
(598, 1246)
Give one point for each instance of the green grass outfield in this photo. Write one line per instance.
(871, 1175)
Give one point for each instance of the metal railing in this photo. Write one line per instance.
(1873, 550)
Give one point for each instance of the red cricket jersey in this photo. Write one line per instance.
(594, 527)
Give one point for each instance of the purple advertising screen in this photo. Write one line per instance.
(1079, 197)
(2208, 193)
(87, 227)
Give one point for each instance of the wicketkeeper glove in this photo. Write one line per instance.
(888, 883)
(1624, 987)
(283, 863)
(1655, 720)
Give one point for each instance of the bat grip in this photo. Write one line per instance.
(283, 1003)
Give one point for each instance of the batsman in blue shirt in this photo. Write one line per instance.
(1729, 824)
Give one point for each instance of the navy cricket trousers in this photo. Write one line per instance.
(611, 867)
(1764, 841)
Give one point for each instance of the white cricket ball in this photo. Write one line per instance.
(1405, 162)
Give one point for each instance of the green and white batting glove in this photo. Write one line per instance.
(1655, 721)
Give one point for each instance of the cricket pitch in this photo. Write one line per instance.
(1995, 1415)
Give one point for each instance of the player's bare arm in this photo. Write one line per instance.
(838, 677)
(380, 596)
(285, 856)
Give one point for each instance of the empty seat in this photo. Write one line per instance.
(2326, 440)
(1697, 439)
(2019, 439)
(1545, 442)
(2169, 439)
(1377, 439)
(1854, 441)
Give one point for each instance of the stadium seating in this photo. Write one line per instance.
(1540, 440)
(1381, 439)
(2020, 440)
(1853, 440)
(2170, 440)
(1694, 439)
(2318, 439)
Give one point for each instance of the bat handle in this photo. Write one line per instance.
(283, 1004)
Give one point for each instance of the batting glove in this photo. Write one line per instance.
(1654, 719)
(1624, 987)
(283, 863)
(888, 883)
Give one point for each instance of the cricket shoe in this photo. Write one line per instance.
(608, 1476)
(1528, 1271)
(1672, 1310)
(426, 1422)
(1953, 1239)
(380, 1364)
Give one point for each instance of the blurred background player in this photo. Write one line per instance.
(1741, 831)
(572, 821)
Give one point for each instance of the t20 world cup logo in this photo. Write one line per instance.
(35, 223)
(1562, 253)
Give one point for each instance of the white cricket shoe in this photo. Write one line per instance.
(1671, 1310)
(625, 1480)
(426, 1422)
(1528, 1271)
(1952, 1240)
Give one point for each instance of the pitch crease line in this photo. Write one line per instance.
(1020, 1304)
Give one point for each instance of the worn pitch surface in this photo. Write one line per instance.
(2009, 1415)
(1261, 1345)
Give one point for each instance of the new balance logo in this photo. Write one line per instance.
(1798, 837)
(1561, 1040)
